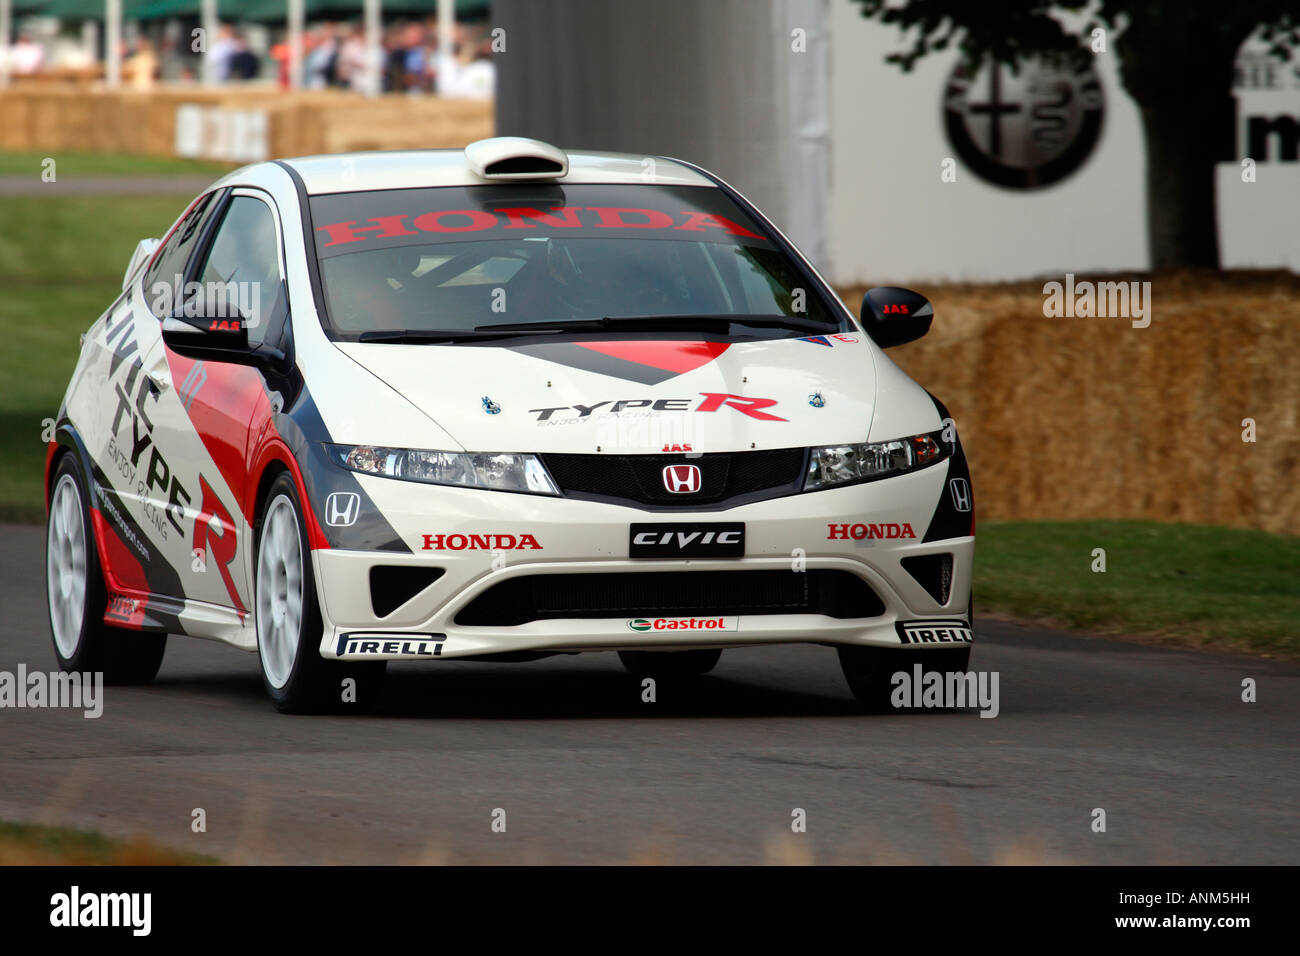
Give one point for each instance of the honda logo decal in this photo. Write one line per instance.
(960, 489)
(342, 509)
(682, 479)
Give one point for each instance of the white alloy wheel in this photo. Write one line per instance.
(66, 565)
(279, 591)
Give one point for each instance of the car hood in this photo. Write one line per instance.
(635, 395)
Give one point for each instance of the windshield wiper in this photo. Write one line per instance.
(667, 323)
(432, 336)
(647, 323)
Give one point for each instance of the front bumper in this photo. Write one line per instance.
(790, 534)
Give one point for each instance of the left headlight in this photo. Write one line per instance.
(496, 471)
(833, 465)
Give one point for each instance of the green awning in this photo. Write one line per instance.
(161, 9)
(276, 11)
(84, 9)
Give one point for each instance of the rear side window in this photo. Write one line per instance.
(175, 253)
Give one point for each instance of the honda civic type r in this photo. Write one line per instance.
(496, 404)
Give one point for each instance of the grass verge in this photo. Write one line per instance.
(30, 844)
(73, 165)
(59, 272)
(1229, 589)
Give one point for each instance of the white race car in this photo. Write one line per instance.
(498, 403)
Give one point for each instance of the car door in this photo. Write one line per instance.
(140, 496)
(215, 406)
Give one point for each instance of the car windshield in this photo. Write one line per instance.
(452, 259)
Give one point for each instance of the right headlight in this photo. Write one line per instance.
(832, 465)
(495, 471)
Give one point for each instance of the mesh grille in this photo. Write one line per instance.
(933, 572)
(640, 477)
(538, 597)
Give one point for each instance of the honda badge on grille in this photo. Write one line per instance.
(682, 479)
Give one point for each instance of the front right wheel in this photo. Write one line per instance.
(870, 670)
(288, 621)
(659, 664)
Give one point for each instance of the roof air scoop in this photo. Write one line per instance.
(515, 157)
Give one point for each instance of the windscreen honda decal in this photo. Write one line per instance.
(644, 362)
(354, 222)
(596, 218)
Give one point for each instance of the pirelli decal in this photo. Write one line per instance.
(934, 632)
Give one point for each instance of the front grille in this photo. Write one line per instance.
(639, 478)
(540, 597)
(933, 572)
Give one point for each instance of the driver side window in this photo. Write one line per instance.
(242, 269)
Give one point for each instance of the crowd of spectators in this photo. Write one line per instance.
(334, 56)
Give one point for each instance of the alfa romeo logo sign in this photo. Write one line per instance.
(1026, 129)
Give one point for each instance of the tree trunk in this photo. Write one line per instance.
(1182, 226)
(1181, 74)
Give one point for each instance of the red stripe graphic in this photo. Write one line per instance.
(678, 357)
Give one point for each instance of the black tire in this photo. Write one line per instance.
(312, 683)
(870, 670)
(123, 656)
(670, 663)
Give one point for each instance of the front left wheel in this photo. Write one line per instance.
(288, 621)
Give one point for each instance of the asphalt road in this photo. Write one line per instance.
(585, 772)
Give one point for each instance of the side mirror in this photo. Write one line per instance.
(893, 316)
(224, 340)
(144, 249)
(208, 326)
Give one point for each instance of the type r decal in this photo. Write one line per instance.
(711, 402)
